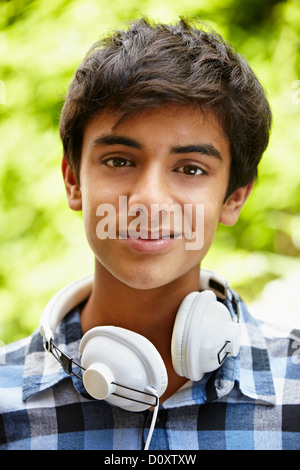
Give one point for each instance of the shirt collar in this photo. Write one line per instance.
(42, 370)
(250, 370)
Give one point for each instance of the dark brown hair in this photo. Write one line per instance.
(149, 65)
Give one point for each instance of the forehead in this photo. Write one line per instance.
(167, 126)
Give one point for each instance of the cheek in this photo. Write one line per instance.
(212, 214)
(204, 214)
(200, 224)
(208, 221)
(89, 222)
(90, 204)
(100, 218)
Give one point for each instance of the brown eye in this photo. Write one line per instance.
(117, 162)
(190, 170)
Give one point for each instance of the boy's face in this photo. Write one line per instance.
(136, 170)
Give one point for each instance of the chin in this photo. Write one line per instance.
(144, 282)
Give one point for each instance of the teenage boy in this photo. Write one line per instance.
(157, 118)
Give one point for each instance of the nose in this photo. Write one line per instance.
(151, 189)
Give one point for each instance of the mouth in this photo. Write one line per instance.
(149, 242)
(152, 236)
(145, 234)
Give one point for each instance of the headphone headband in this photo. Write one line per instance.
(61, 304)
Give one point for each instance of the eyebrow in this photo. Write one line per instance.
(111, 139)
(205, 149)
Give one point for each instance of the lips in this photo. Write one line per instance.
(150, 246)
(149, 241)
(151, 235)
(154, 235)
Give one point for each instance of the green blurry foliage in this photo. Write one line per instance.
(42, 242)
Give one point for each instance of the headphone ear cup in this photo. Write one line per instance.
(114, 356)
(202, 327)
(180, 332)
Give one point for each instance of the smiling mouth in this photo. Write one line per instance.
(155, 236)
(149, 242)
(149, 235)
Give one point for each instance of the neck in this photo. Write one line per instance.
(150, 313)
(147, 312)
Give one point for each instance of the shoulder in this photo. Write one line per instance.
(14, 354)
(271, 330)
(12, 365)
(269, 327)
(281, 343)
(14, 359)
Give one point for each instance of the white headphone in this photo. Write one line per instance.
(124, 367)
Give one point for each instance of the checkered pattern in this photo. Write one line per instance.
(251, 402)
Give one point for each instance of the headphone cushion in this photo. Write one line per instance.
(180, 332)
(155, 362)
(189, 330)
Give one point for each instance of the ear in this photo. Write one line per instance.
(72, 187)
(233, 205)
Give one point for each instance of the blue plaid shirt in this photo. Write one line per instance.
(251, 402)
